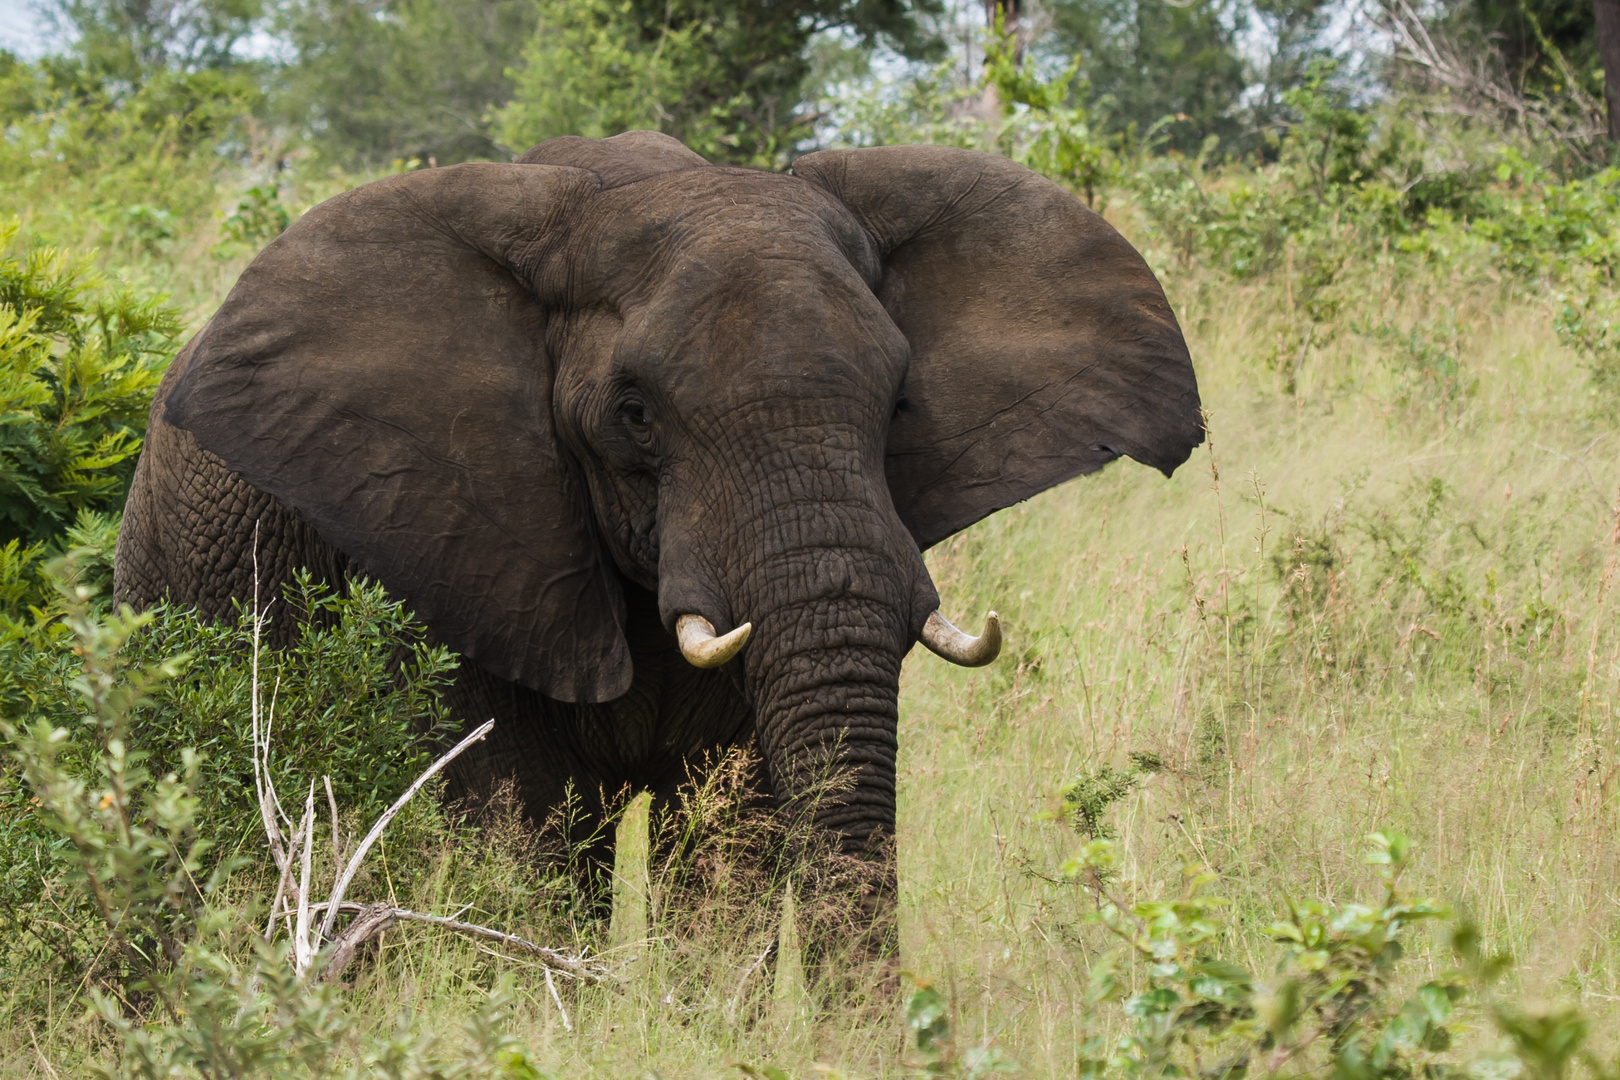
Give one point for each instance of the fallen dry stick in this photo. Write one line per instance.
(372, 919)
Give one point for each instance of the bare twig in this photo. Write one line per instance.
(262, 785)
(359, 856)
(275, 905)
(371, 919)
(337, 839)
(575, 967)
(555, 997)
(303, 951)
(43, 1060)
(742, 983)
(1444, 64)
(369, 922)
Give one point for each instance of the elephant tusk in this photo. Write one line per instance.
(946, 641)
(702, 648)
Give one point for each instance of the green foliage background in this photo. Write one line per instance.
(1379, 604)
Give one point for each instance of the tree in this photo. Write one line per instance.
(1606, 15)
(1151, 59)
(128, 40)
(728, 77)
(375, 81)
(1524, 34)
(1295, 30)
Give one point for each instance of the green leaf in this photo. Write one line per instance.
(1153, 1002)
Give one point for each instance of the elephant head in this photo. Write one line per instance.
(507, 389)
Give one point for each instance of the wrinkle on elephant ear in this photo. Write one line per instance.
(381, 369)
(1042, 346)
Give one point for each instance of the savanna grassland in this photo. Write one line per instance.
(1344, 614)
(1362, 649)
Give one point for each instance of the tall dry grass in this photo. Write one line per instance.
(1372, 602)
(1366, 604)
(1382, 595)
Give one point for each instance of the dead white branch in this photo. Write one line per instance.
(1577, 121)
(261, 735)
(294, 859)
(372, 919)
(353, 865)
(303, 948)
(297, 857)
(557, 999)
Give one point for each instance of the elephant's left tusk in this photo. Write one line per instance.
(702, 648)
(945, 640)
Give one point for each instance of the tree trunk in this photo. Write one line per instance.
(1012, 20)
(1607, 14)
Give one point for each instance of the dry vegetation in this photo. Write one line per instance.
(1382, 595)
(1343, 614)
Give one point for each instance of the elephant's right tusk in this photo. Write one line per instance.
(946, 641)
(702, 648)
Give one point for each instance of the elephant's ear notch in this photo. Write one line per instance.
(381, 369)
(1042, 346)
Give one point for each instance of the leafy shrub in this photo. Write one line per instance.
(589, 71)
(180, 981)
(1045, 127)
(259, 216)
(1337, 1001)
(79, 363)
(1590, 325)
(95, 160)
(1084, 801)
(355, 698)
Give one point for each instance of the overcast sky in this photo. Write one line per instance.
(20, 28)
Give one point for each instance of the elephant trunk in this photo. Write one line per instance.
(825, 678)
(799, 538)
(825, 683)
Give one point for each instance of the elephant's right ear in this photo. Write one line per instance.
(381, 369)
(1042, 346)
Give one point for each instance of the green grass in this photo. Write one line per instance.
(1431, 679)
(1382, 596)
(1433, 683)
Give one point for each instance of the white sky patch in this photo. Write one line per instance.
(23, 31)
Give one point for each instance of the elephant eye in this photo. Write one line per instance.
(634, 413)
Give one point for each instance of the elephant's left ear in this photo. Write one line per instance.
(381, 369)
(1042, 346)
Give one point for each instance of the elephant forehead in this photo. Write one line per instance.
(762, 307)
(714, 223)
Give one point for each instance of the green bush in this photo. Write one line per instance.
(79, 363)
(355, 698)
(179, 980)
(91, 160)
(1045, 127)
(1337, 1000)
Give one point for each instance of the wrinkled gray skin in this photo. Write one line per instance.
(559, 403)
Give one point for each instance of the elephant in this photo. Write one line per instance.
(656, 445)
